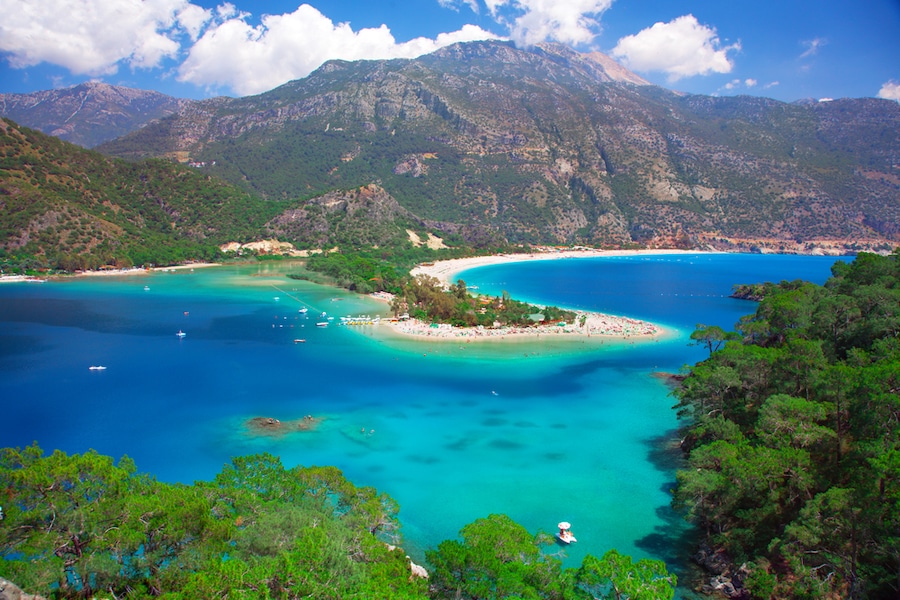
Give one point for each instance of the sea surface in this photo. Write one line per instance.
(543, 431)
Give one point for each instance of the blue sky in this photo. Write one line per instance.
(783, 49)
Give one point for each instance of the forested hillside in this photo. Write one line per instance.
(65, 207)
(794, 442)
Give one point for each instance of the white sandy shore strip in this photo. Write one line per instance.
(446, 270)
(111, 272)
(586, 324)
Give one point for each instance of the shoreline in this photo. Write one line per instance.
(107, 272)
(447, 270)
(596, 326)
(587, 324)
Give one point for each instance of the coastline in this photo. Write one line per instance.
(446, 270)
(595, 325)
(142, 271)
(586, 324)
(107, 272)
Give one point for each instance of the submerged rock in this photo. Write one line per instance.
(273, 426)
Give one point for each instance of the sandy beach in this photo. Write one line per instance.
(108, 272)
(446, 270)
(140, 270)
(586, 324)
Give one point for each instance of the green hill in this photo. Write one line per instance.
(66, 207)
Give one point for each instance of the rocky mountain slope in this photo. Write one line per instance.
(549, 145)
(90, 113)
(485, 143)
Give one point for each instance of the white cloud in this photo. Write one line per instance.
(193, 18)
(890, 91)
(92, 37)
(681, 48)
(533, 21)
(736, 84)
(812, 46)
(251, 59)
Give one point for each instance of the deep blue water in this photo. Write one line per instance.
(540, 431)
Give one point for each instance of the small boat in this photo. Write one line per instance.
(565, 533)
(322, 324)
(180, 333)
(299, 341)
(303, 310)
(96, 368)
(146, 288)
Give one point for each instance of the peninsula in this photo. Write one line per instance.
(585, 324)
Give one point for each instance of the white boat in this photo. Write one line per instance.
(97, 368)
(180, 333)
(322, 324)
(565, 533)
(303, 310)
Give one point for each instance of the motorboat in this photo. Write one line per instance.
(181, 334)
(565, 533)
(96, 368)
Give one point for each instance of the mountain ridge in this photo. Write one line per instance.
(544, 146)
(88, 114)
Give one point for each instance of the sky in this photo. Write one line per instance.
(784, 49)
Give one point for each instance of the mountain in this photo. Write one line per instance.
(67, 207)
(90, 113)
(548, 145)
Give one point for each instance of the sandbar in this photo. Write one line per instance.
(586, 324)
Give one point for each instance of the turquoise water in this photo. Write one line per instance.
(575, 431)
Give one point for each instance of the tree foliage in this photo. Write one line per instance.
(83, 526)
(498, 558)
(795, 436)
(79, 526)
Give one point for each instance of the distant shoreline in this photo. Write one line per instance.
(107, 272)
(446, 270)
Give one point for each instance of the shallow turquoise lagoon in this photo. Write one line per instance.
(582, 432)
